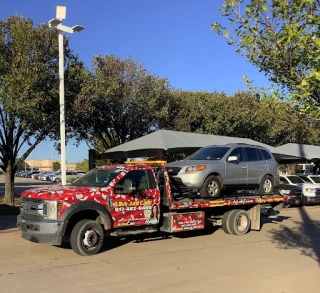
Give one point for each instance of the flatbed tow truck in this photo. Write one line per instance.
(139, 199)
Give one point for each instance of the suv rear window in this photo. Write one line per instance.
(266, 155)
(252, 154)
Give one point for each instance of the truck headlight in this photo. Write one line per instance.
(284, 191)
(310, 190)
(195, 168)
(52, 209)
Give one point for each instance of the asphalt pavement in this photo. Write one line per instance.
(284, 257)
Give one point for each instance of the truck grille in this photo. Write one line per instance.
(31, 217)
(297, 194)
(172, 171)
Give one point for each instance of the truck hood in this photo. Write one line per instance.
(63, 192)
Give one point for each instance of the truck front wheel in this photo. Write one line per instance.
(87, 237)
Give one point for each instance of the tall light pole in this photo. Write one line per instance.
(56, 22)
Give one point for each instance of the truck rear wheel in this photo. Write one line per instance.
(211, 187)
(238, 222)
(225, 222)
(87, 237)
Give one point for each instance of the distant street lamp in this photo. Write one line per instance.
(56, 22)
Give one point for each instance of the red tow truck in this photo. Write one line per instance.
(122, 200)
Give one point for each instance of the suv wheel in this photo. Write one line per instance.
(57, 180)
(211, 187)
(266, 185)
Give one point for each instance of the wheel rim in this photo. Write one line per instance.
(267, 185)
(213, 188)
(90, 239)
(242, 223)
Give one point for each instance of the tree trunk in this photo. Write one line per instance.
(291, 169)
(9, 187)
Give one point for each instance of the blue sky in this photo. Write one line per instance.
(172, 38)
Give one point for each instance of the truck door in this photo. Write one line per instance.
(140, 207)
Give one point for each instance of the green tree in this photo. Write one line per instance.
(83, 166)
(243, 115)
(29, 100)
(56, 166)
(282, 39)
(120, 101)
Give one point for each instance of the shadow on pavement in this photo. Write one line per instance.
(305, 236)
(279, 219)
(8, 222)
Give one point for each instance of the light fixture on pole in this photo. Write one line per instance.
(57, 23)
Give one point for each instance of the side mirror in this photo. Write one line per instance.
(129, 186)
(233, 159)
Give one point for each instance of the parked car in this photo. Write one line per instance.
(313, 179)
(310, 192)
(69, 174)
(37, 176)
(286, 189)
(23, 173)
(239, 166)
(43, 175)
(17, 174)
(52, 174)
(29, 174)
(81, 173)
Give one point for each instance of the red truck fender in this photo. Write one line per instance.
(83, 208)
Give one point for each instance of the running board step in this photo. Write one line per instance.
(133, 231)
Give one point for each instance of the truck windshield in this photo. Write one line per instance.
(97, 178)
(212, 153)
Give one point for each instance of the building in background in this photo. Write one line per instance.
(46, 165)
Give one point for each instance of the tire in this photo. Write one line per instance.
(239, 222)
(225, 222)
(211, 187)
(266, 180)
(94, 238)
(57, 180)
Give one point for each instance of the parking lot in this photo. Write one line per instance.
(284, 257)
(21, 184)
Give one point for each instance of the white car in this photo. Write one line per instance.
(310, 192)
(69, 174)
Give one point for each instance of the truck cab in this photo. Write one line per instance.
(118, 196)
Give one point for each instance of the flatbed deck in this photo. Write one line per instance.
(189, 203)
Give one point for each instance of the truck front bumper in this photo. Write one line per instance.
(49, 232)
(312, 199)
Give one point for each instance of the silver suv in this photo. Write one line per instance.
(236, 166)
